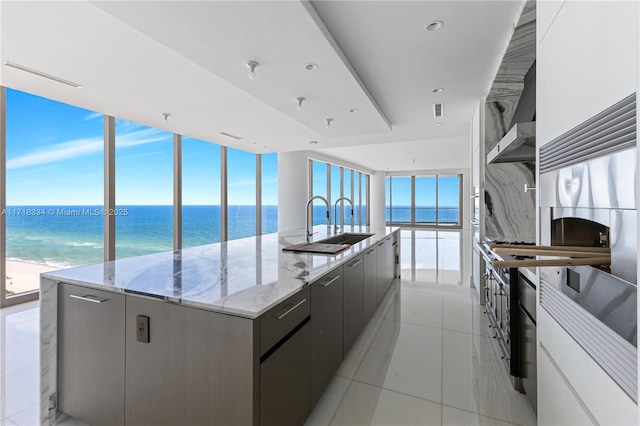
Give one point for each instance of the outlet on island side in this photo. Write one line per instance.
(142, 328)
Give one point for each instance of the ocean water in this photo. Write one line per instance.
(446, 215)
(67, 236)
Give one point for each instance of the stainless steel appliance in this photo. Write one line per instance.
(502, 309)
(588, 198)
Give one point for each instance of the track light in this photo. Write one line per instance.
(252, 69)
(300, 101)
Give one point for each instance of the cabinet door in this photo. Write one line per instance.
(284, 382)
(198, 367)
(381, 271)
(353, 301)
(91, 353)
(370, 283)
(326, 331)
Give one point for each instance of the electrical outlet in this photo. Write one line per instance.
(142, 328)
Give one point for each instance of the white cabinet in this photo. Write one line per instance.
(558, 404)
(601, 399)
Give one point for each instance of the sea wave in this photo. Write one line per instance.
(81, 244)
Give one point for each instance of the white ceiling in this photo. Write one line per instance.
(137, 60)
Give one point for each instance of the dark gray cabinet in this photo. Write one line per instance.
(370, 282)
(326, 330)
(91, 354)
(353, 300)
(197, 369)
(284, 382)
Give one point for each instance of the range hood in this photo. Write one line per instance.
(519, 144)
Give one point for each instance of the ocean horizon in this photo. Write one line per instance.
(69, 236)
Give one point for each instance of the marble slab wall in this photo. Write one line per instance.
(509, 212)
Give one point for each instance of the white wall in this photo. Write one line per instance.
(587, 60)
(292, 190)
(377, 202)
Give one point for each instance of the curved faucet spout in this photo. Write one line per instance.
(335, 213)
(308, 232)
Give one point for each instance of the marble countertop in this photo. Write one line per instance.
(243, 277)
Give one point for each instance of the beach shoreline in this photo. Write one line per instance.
(22, 276)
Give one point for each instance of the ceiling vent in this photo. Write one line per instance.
(438, 110)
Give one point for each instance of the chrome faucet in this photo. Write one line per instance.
(308, 232)
(335, 213)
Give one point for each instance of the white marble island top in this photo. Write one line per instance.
(243, 277)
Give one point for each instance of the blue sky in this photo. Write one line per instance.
(55, 157)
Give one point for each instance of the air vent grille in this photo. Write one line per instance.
(438, 110)
(612, 130)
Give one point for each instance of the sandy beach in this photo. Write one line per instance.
(24, 276)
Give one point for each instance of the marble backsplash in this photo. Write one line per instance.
(509, 212)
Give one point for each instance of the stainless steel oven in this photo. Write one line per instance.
(588, 198)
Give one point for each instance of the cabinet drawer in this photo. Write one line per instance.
(281, 319)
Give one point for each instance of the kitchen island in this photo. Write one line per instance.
(228, 333)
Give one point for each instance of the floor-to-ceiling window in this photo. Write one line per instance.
(449, 191)
(144, 189)
(319, 186)
(200, 192)
(241, 193)
(424, 200)
(333, 182)
(269, 193)
(400, 203)
(54, 184)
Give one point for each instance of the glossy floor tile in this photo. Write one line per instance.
(437, 367)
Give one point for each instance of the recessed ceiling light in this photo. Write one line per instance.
(353, 110)
(311, 67)
(313, 142)
(230, 135)
(42, 74)
(434, 26)
(438, 90)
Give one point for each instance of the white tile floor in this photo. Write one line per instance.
(424, 359)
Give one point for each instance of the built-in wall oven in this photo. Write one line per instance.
(588, 198)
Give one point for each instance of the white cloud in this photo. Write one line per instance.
(92, 116)
(81, 147)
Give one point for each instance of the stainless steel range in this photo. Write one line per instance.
(502, 308)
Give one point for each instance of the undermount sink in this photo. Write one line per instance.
(331, 245)
(349, 238)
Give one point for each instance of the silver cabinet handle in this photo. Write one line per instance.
(291, 309)
(370, 251)
(357, 262)
(88, 298)
(381, 244)
(329, 282)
